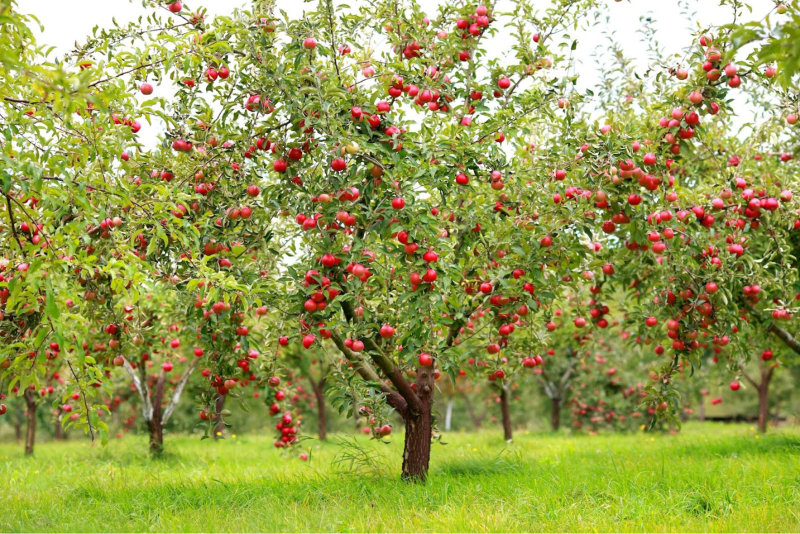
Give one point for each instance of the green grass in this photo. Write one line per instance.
(707, 478)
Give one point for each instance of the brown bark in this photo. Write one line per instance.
(59, 431)
(322, 414)
(555, 414)
(18, 430)
(701, 410)
(156, 436)
(219, 404)
(762, 387)
(154, 425)
(504, 409)
(30, 434)
(419, 425)
(763, 398)
(763, 408)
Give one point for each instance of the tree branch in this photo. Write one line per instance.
(786, 337)
(142, 389)
(13, 222)
(85, 403)
(394, 398)
(176, 395)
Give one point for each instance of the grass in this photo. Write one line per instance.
(707, 478)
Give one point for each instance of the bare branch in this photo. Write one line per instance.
(176, 395)
(141, 388)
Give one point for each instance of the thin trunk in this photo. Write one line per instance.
(18, 430)
(59, 431)
(702, 409)
(417, 445)
(219, 404)
(154, 425)
(156, 436)
(763, 398)
(507, 432)
(448, 415)
(322, 414)
(30, 434)
(476, 421)
(763, 408)
(555, 413)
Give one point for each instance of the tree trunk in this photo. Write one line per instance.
(701, 410)
(322, 414)
(448, 415)
(763, 408)
(156, 436)
(504, 409)
(763, 398)
(219, 404)
(555, 414)
(476, 421)
(18, 430)
(417, 445)
(30, 434)
(154, 425)
(59, 431)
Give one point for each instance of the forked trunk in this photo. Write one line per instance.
(30, 434)
(555, 413)
(219, 404)
(417, 445)
(504, 409)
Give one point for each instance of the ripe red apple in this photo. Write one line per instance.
(167, 366)
(425, 359)
(735, 386)
(386, 331)
(309, 43)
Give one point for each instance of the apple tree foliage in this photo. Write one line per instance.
(372, 181)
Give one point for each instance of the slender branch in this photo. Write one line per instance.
(176, 395)
(366, 371)
(750, 379)
(141, 388)
(85, 402)
(28, 215)
(13, 222)
(386, 365)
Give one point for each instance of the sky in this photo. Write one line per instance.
(66, 21)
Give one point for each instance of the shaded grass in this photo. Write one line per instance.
(708, 478)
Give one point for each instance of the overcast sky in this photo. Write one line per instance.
(66, 21)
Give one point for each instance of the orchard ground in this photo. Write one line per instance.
(709, 477)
